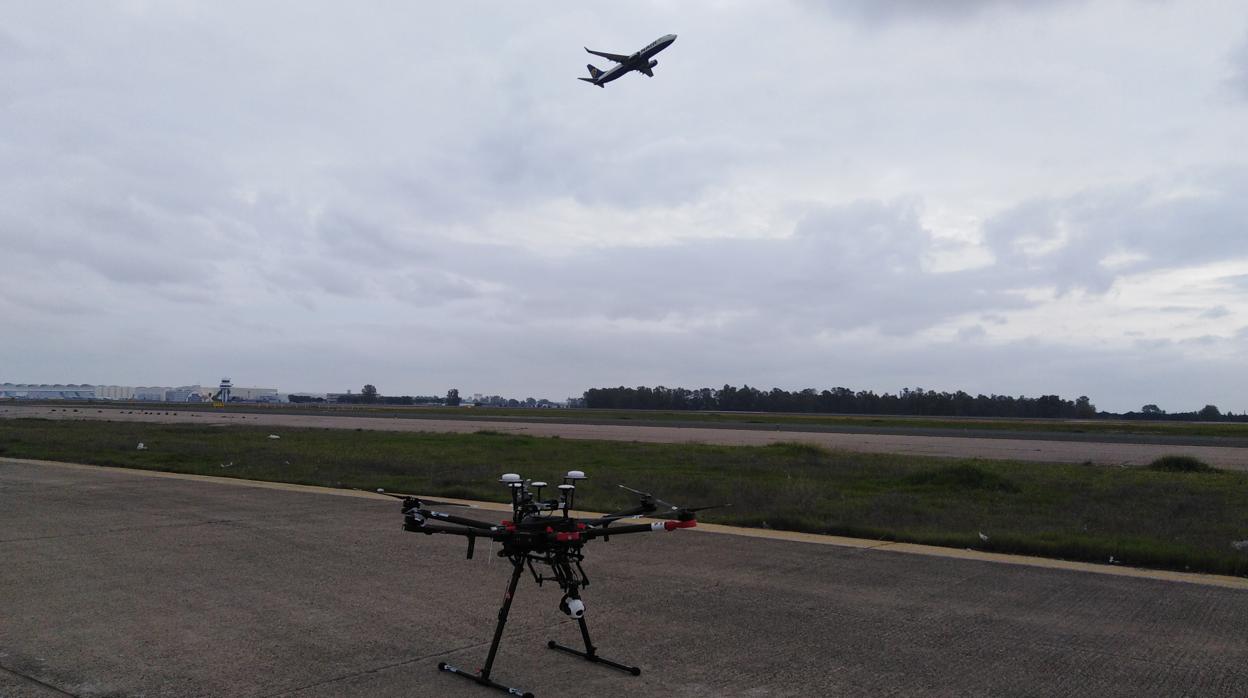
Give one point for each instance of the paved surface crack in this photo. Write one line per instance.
(32, 680)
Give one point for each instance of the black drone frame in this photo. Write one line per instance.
(544, 534)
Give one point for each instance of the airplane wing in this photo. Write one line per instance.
(609, 56)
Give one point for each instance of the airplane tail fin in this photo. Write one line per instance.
(593, 72)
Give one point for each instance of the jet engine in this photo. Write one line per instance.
(653, 62)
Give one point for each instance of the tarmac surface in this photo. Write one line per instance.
(117, 583)
(1115, 452)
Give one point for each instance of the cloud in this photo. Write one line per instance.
(889, 11)
(10, 48)
(1238, 281)
(1238, 80)
(1088, 240)
(423, 196)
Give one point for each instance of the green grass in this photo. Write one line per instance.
(1146, 517)
(1181, 464)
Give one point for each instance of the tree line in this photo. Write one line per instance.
(368, 395)
(910, 401)
(916, 401)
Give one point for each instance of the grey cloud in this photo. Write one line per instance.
(1207, 313)
(349, 238)
(122, 243)
(1238, 80)
(289, 182)
(1066, 242)
(47, 302)
(887, 11)
(9, 47)
(1218, 311)
(972, 333)
(843, 268)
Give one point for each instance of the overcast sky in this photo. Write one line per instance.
(998, 196)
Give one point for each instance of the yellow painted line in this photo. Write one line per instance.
(1216, 580)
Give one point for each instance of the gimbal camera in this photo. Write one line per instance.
(542, 533)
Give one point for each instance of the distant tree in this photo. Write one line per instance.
(368, 393)
(1209, 412)
(1151, 409)
(452, 397)
(1084, 409)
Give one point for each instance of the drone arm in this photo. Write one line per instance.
(638, 528)
(416, 525)
(453, 519)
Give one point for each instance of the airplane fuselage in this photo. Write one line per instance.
(642, 61)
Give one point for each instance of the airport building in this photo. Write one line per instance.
(186, 393)
(256, 395)
(114, 392)
(45, 391)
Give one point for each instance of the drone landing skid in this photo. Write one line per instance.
(484, 681)
(483, 677)
(591, 652)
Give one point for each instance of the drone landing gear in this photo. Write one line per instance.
(591, 652)
(483, 677)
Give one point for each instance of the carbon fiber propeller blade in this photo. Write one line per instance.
(665, 509)
(661, 506)
(686, 510)
(435, 502)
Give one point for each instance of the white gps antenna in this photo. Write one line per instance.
(568, 490)
(515, 483)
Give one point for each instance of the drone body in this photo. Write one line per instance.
(543, 534)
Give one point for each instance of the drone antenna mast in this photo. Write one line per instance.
(568, 489)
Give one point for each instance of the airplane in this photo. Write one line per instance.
(642, 61)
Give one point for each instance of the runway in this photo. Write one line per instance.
(129, 583)
(1044, 450)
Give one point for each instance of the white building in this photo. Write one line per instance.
(46, 391)
(157, 393)
(150, 393)
(114, 392)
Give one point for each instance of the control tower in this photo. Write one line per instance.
(222, 396)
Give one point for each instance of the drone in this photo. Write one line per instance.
(544, 537)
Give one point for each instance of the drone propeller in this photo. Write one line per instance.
(422, 500)
(647, 498)
(685, 513)
(666, 510)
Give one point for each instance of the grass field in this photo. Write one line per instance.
(1177, 518)
(1229, 430)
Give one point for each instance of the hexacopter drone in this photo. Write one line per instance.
(544, 533)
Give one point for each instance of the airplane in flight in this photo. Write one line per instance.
(642, 61)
